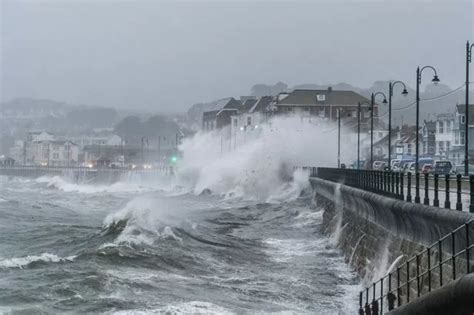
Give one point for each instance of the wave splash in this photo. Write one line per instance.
(258, 163)
(21, 262)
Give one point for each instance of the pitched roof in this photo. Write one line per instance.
(430, 125)
(460, 108)
(247, 105)
(322, 97)
(262, 103)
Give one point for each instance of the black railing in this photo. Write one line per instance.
(456, 191)
(442, 262)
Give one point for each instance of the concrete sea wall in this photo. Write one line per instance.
(376, 233)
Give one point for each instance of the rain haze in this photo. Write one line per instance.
(167, 55)
(236, 157)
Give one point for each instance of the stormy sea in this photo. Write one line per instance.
(230, 234)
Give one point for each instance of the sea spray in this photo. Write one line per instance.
(262, 164)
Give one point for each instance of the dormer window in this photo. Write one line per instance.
(463, 119)
(320, 97)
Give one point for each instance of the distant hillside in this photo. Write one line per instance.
(28, 113)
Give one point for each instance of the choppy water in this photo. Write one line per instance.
(130, 248)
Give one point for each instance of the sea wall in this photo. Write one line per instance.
(376, 231)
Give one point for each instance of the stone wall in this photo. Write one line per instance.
(377, 233)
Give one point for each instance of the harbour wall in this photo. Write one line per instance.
(377, 233)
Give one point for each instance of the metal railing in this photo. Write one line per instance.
(444, 261)
(428, 189)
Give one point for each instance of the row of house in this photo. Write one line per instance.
(249, 112)
(442, 138)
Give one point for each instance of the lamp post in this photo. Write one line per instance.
(435, 80)
(338, 138)
(466, 111)
(391, 85)
(359, 104)
(372, 103)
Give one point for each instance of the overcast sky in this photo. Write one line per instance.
(166, 56)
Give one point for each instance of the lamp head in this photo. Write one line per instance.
(384, 101)
(435, 79)
(405, 92)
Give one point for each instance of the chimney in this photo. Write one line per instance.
(330, 89)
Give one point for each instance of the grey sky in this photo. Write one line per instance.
(166, 56)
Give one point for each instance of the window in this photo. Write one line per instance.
(448, 146)
(461, 138)
(456, 138)
(322, 112)
(289, 109)
(306, 109)
(409, 148)
(235, 122)
(441, 126)
(320, 97)
(367, 113)
(440, 146)
(463, 119)
(249, 120)
(354, 113)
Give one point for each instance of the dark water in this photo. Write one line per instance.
(131, 249)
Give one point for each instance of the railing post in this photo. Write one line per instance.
(399, 290)
(440, 263)
(428, 251)
(453, 254)
(409, 187)
(436, 183)
(458, 193)
(408, 281)
(392, 185)
(390, 296)
(397, 185)
(417, 187)
(426, 200)
(400, 174)
(375, 306)
(468, 258)
(381, 295)
(447, 203)
(385, 177)
(361, 308)
(418, 275)
(471, 185)
(367, 306)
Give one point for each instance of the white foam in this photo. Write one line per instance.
(192, 307)
(21, 262)
(257, 164)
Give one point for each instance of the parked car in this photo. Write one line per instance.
(379, 165)
(423, 161)
(426, 169)
(443, 167)
(395, 163)
(459, 169)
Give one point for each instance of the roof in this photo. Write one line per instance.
(262, 103)
(430, 125)
(248, 105)
(322, 97)
(460, 108)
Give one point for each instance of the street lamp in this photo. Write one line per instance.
(372, 103)
(391, 85)
(339, 111)
(466, 111)
(435, 80)
(358, 131)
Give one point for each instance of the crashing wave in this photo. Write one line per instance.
(22, 262)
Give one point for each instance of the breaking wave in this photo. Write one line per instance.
(258, 163)
(22, 262)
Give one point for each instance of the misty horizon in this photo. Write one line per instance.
(167, 56)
